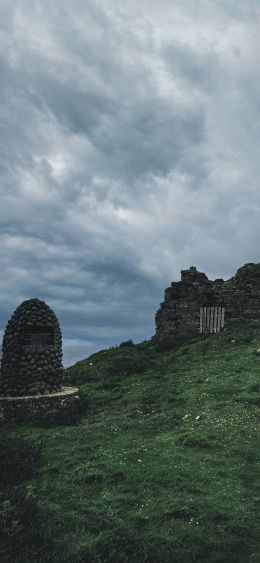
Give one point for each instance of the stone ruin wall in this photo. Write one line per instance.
(179, 314)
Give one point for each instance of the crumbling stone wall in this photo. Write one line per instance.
(179, 313)
(32, 351)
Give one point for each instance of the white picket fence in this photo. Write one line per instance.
(212, 319)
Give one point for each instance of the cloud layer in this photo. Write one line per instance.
(129, 150)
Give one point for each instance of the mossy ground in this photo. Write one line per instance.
(161, 468)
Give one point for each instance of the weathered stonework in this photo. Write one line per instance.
(179, 314)
(40, 407)
(32, 351)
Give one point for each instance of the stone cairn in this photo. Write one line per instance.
(32, 351)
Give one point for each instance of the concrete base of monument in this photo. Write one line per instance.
(57, 406)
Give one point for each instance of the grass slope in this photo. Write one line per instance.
(162, 466)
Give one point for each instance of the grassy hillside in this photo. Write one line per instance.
(162, 466)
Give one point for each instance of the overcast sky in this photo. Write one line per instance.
(129, 150)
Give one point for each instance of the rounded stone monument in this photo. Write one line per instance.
(31, 365)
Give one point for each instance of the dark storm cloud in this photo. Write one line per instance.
(129, 150)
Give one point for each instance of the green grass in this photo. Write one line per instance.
(162, 466)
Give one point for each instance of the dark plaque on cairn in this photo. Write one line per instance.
(32, 351)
